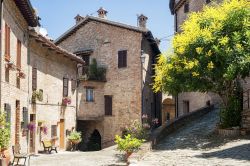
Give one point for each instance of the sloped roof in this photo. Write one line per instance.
(171, 6)
(51, 46)
(105, 21)
(28, 12)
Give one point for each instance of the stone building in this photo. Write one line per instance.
(32, 68)
(16, 17)
(190, 101)
(115, 87)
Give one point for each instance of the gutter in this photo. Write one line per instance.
(1, 41)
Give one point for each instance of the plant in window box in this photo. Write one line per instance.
(4, 140)
(21, 74)
(10, 65)
(37, 95)
(31, 127)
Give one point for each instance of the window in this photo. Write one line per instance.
(185, 106)
(73, 84)
(108, 105)
(86, 59)
(65, 87)
(18, 61)
(208, 1)
(122, 59)
(7, 75)
(18, 82)
(7, 110)
(89, 94)
(7, 42)
(186, 7)
(53, 130)
(34, 78)
(25, 117)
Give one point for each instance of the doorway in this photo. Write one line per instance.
(62, 134)
(95, 141)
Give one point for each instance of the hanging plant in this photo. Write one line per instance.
(31, 127)
(10, 66)
(66, 101)
(21, 75)
(37, 95)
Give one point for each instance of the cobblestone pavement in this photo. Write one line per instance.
(105, 157)
(196, 144)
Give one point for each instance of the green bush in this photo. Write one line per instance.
(128, 144)
(231, 116)
(4, 132)
(136, 130)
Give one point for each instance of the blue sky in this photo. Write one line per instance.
(58, 15)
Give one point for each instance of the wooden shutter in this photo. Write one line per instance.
(25, 117)
(86, 59)
(73, 84)
(34, 78)
(122, 58)
(7, 110)
(65, 87)
(7, 42)
(18, 62)
(108, 105)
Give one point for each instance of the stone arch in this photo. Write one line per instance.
(95, 141)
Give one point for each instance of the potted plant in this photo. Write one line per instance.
(31, 127)
(128, 144)
(4, 140)
(75, 137)
(10, 65)
(66, 101)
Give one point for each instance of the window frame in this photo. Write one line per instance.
(89, 93)
(7, 42)
(65, 87)
(19, 54)
(122, 58)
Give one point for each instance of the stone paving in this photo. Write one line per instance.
(196, 144)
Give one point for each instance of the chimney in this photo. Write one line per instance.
(78, 18)
(142, 20)
(102, 13)
(157, 41)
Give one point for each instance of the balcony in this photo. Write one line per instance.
(93, 72)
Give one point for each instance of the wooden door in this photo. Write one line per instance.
(62, 133)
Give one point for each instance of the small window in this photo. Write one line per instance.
(65, 87)
(25, 117)
(7, 75)
(122, 58)
(86, 59)
(53, 130)
(18, 82)
(108, 105)
(208, 1)
(34, 78)
(186, 7)
(89, 94)
(7, 110)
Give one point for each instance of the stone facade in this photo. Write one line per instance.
(190, 101)
(53, 64)
(123, 84)
(16, 98)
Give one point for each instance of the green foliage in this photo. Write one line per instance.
(211, 52)
(37, 95)
(4, 132)
(136, 130)
(128, 143)
(74, 135)
(95, 72)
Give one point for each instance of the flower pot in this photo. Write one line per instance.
(127, 155)
(75, 141)
(6, 157)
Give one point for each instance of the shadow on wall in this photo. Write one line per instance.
(238, 152)
(91, 141)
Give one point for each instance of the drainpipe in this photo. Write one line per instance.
(1, 15)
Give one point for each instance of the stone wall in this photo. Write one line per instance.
(51, 68)
(123, 84)
(10, 93)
